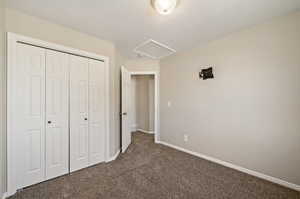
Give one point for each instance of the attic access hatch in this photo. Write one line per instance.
(153, 50)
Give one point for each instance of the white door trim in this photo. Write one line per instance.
(156, 100)
(12, 40)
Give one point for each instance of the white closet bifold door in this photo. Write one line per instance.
(57, 107)
(79, 74)
(97, 110)
(29, 119)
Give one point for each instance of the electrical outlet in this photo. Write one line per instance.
(186, 137)
(169, 104)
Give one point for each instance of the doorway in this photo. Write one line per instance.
(139, 105)
(142, 103)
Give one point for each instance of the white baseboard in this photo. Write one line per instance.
(5, 195)
(9, 193)
(239, 168)
(144, 131)
(113, 157)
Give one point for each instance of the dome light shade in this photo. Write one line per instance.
(164, 7)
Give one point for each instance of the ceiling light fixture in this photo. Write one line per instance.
(164, 7)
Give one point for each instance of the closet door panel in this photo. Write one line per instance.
(57, 103)
(30, 116)
(96, 112)
(78, 112)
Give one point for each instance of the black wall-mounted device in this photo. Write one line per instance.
(206, 73)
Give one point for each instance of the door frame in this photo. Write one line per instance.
(156, 100)
(12, 40)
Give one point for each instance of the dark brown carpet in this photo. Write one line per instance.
(151, 171)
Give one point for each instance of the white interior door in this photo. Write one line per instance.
(79, 134)
(57, 107)
(29, 87)
(126, 129)
(97, 110)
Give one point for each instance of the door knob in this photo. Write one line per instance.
(124, 114)
(85, 119)
(49, 122)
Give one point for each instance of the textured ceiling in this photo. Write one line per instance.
(130, 22)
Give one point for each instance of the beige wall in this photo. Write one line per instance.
(142, 102)
(142, 64)
(31, 26)
(2, 98)
(249, 114)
